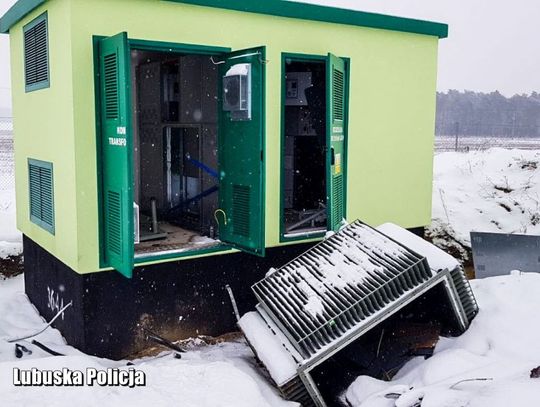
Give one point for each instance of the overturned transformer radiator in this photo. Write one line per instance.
(318, 315)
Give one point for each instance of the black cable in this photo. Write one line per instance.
(20, 350)
(162, 341)
(45, 348)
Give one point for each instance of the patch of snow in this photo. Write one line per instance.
(222, 375)
(347, 259)
(437, 259)
(343, 223)
(496, 190)
(203, 240)
(18, 317)
(8, 249)
(329, 233)
(314, 306)
(501, 347)
(339, 271)
(270, 271)
(367, 388)
(270, 351)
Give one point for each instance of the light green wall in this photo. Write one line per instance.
(392, 109)
(43, 127)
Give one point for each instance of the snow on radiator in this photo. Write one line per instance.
(437, 259)
(321, 295)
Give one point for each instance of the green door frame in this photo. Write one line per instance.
(147, 45)
(307, 58)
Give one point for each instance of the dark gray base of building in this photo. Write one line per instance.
(178, 299)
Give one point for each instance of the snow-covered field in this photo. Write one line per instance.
(496, 190)
(448, 143)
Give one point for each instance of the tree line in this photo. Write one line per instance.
(471, 113)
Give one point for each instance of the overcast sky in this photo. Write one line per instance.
(493, 44)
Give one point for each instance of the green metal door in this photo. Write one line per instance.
(117, 151)
(241, 155)
(336, 132)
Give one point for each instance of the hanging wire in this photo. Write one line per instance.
(261, 60)
(216, 63)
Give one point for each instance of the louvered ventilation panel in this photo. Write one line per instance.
(41, 195)
(337, 200)
(47, 214)
(111, 86)
(465, 293)
(323, 294)
(338, 94)
(240, 210)
(295, 390)
(35, 191)
(114, 225)
(36, 54)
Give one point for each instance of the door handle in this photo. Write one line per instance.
(332, 156)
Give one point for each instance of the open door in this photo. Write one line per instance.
(336, 139)
(116, 142)
(241, 138)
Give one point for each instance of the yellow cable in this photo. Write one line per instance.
(224, 216)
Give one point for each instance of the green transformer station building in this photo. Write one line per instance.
(166, 149)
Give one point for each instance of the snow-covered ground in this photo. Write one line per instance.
(10, 237)
(488, 366)
(223, 375)
(495, 190)
(501, 348)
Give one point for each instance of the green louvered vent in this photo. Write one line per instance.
(114, 227)
(36, 54)
(338, 95)
(240, 215)
(337, 199)
(111, 86)
(40, 180)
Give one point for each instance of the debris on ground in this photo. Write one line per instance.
(11, 266)
(535, 373)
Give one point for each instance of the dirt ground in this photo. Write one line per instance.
(11, 266)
